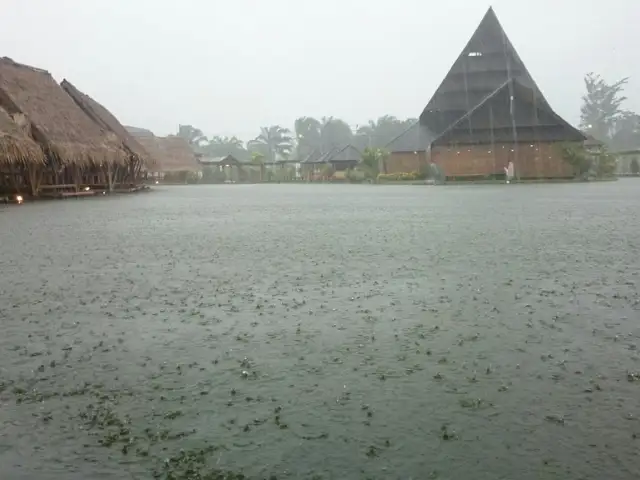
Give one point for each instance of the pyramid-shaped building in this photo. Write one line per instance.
(487, 112)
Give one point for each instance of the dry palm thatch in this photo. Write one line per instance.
(16, 147)
(65, 132)
(178, 155)
(107, 121)
(152, 146)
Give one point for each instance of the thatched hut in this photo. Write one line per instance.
(173, 155)
(16, 146)
(139, 158)
(74, 145)
(178, 155)
(21, 158)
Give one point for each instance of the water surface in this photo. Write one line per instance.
(317, 331)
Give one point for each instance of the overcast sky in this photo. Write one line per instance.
(231, 66)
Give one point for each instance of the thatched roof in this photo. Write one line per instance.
(107, 121)
(178, 155)
(63, 130)
(15, 144)
(139, 132)
(171, 153)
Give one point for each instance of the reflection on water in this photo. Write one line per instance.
(323, 332)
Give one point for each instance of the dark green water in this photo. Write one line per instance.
(330, 332)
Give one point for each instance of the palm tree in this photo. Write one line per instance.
(220, 146)
(273, 142)
(193, 135)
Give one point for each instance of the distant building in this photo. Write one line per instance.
(487, 112)
(625, 161)
(169, 154)
(339, 159)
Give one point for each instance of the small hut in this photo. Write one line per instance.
(21, 158)
(226, 168)
(77, 150)
(139, 158)
(337, 160)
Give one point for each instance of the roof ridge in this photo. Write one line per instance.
(13, 63)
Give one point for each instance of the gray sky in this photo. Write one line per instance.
(229, 67)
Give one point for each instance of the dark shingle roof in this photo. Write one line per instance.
(313, 157)
(347, 154)
(509, 114)
(486, 62)
(417, 138)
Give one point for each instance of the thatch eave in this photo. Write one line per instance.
(81, 155)
(64, 131)
(14, 149)
(107, 121)
(16, 146)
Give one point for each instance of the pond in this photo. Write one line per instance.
(323, 331)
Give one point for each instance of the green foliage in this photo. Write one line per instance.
(576, 156)
(257, 158)
(355, 175)
(182, 176)
(400, 177)
(273, 142)
(221, 146)
(599, 163)
(378, 133)
(634, 166)
(604, 163)
(192, 135)
(373, 161)
(603, 114)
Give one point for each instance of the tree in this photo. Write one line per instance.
(379, 133)
(273, 142)
(374, 161)
(220, 146)
(192, 135)
(627, 132)
(308, 136)
(634, 166)
(334, 133)
(602, 106)
(577, 157)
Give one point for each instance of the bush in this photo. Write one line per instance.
(355, 175)
(400, 177)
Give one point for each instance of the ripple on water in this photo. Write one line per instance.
(327, 331)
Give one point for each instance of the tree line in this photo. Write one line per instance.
(602, 115)
(309, 135)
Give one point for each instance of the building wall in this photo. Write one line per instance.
(541, 160)
(406, 162)
(623, 162)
